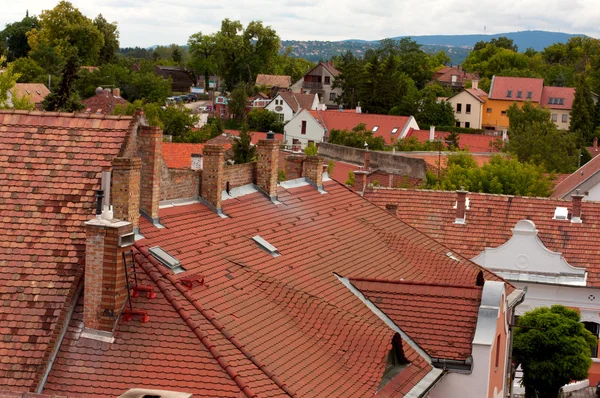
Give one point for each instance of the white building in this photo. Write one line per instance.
(287, 104)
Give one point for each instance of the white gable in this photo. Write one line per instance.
(524, 258)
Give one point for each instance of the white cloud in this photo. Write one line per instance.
(149, 22)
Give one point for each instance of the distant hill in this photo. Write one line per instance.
(456, 46)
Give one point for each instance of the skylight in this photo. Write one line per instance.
(375, 128)
(529, 94)
(519, 94)
(509, 94)
(561, 213)
(266, 246)
(166, 259)
(394, 130)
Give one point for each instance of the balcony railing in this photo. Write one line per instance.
(312, 85)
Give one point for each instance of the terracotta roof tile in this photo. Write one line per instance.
(179, 155)
(490, 220)
(382, 178)
(567, 94)
(298, 101)
(273, 80)
(50, 165)
(502, 84)
(475, 142)
(103, 103)
(444, 75)
(569, 184)
(36, 92)
(256, 135)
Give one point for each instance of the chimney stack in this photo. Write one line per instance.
(126, 189)
(392, 208)
(595, 144)
(360, 180)
(212, 175)
(577, 198)
(475, 84)
(150, 150)
(431, 133)
(105, 281)
(461, 206)
(312, 169)
(358, 109)
(267, 152)
(116, 92)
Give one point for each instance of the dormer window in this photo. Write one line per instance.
(519, 94)
(394, 130)
(375, 128)
(529, 95)
(509, 94)
(396, 361)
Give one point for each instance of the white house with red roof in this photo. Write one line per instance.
(319, 80)
(314, 126)
(287, 104)
(468, 106)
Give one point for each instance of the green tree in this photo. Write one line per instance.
(243, 150)
(29, 71)
(533, 137)
(67, 29)
(7, 82)
(553, 347)
(203, 58)
(583, 113)
(177, 56)
(14, 37)
(356, 138)
(264, 120)
(178, 121)
(110, 34)
(238, 101)
(65, 99)
(452, 141)
(152, 111)
(411, 144)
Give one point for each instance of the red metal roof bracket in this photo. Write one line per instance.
(129, 313)
(150, 293)
(189, 282)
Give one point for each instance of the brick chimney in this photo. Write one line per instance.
(367, 161)
(360, 180)
(125, 192)
(116, 92)
(312, 168)
(475, 84)
(105, 283)
(392, 208)
(461, 207)
(267, 166)
(576, 215)
(149, 150)
(212, 175)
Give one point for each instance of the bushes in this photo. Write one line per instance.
(356, 138)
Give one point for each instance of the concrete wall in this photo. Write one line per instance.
(387, 161)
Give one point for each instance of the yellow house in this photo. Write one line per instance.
(504, 92)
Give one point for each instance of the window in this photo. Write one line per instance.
(458, 108)
(554, 117)
(561, 101)
(565, 118)
(489, 110)
(303, 130)
(280, 117)
(497, 351)
(529, 94)
(503, 113)
(519, 94)
(327, 80)
(394, 130)
(396, 361)
(509, 94)
(467, 124)
(457, 124)
(375, 128)
(594, 328)
(331, 96)
(468, 110)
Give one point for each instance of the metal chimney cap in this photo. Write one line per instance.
(270, 135)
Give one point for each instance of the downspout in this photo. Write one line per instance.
(61, 337)
(430, 387)
(512, 308)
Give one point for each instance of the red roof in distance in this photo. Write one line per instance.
(475, 142)
(179, 155)
(501, 85)
(567, 94)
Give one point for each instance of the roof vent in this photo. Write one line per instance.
(452, 256)
(166, 259)
(144, 393)
(266, 246)
(561, 213)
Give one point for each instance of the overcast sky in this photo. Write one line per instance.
(148, 22)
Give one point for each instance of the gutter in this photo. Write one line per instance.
(61, 337)
(459, 366)
(433, 384)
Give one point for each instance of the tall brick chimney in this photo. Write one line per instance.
(313, 170)
(105, 283)
(149, 150)
(576, 215)
(212, 175)
(125, 192)
(461, 207)
(360, 180)
(267, 166)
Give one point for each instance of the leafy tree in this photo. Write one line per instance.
(29, 71)
(177, 56)
(243, 150)
(110, 33)
(535, 138)
(152, 111)
(500, 42)
(583, 113)
(65, 99)
(67, 29)
(178, 121)
(14, 37)
(452, 141)
(311, 149)
(264, 120)
(48, 58)
(238, 101)
(553, 347)
(291, 66)
(203, 56)
(356, 138)
(411, 144)
(7, 81)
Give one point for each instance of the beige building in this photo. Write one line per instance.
(319, 80)
(559, 100)
(468, 106)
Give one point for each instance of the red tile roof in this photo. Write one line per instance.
(432, 315)
(567, 94)
(475, 142)
(104, 102)
(330, 68)
(273, 80)
(298, 101)
(491, 218)
(36, 92)
(432, 159)
(349, 119)
(584, 173)
(444, 75)
(380, 177)
(256, 135)
(502, 84)
(50, 164)
(478, 93)
(179, 155)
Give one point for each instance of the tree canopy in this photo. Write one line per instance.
(553, 347)
(14, 37)
(357, 138)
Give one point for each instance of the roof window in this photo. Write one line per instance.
(266, 246)
(375, 128)
(509, 94)
(166, 259)
(561, 213)
(529, 94)
(519, 94)
(394, 130)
